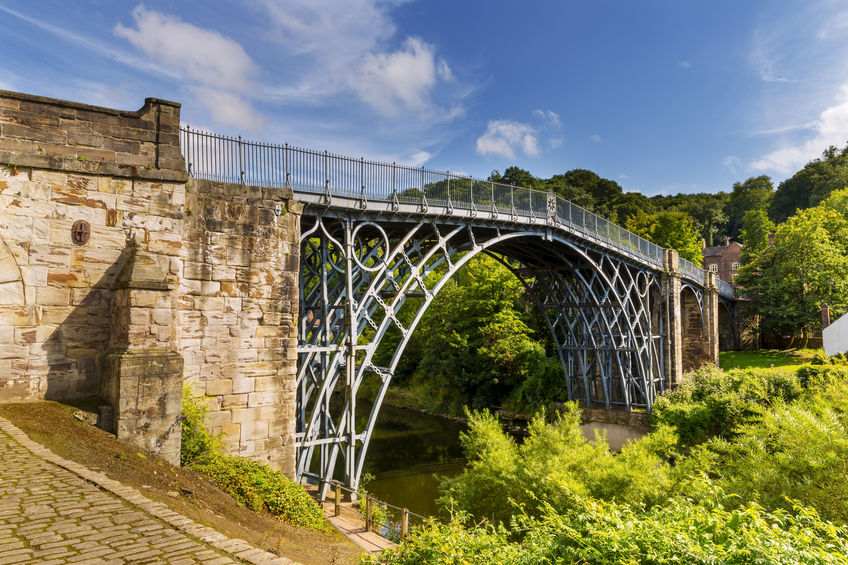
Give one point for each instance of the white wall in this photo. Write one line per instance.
(835, 336)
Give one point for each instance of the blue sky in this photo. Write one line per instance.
(663, 97)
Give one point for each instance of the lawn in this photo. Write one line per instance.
(765, 358)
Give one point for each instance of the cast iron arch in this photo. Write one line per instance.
(382, 265)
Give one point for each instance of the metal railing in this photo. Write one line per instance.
(691, 270)
(725, 288)
(234, 160)
(387, 520)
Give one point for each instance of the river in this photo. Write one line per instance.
(407, 449)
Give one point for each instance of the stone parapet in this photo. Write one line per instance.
(45, 133)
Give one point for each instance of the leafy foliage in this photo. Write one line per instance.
(788, 283)
(553, 464)
(251, 483)
(593, 531)
(671, 229)
(196, 439)
(755, 231)
(812, 184)
(711, 402)
(476, 347)
(753, 194)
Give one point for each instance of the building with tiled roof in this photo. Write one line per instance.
(723, 259)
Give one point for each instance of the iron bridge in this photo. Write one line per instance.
(378, 242)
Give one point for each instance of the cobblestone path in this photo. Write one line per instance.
(50, 515)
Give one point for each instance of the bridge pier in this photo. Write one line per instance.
(673, 337)
(691, 321)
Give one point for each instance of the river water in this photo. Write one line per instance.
(406, 451)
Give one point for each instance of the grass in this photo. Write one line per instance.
(765, 358)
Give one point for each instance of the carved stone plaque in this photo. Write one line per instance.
(80, 232)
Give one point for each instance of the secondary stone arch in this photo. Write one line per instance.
(11, 282)
(400, 260)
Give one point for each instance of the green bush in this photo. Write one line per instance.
(710, 402)
(797, 452)
(251, 483)
(196, 439)
(818, 376)
(553, 464)
(607, 532)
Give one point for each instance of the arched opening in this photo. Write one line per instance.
(728, 338)
(695, 342)
(597, 307)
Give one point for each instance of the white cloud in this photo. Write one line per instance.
(341, 47)
(623, 176)
(418, 158)
(505, 137)
(549, 117)
(221, 70)
(831, 128)
(555, 142)
(228, 108)
(403, 79)
(766, 56)
(595, 137)
(202, 55)
(686, 64)
(731, 163)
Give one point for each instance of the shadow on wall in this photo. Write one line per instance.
(76, 350)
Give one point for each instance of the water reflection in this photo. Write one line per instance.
(407, 449)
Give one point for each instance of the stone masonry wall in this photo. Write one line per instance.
(234, 263)
(61, 162)
(696, 347)
(238, 309)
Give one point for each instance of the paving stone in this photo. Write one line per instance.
(49, 514)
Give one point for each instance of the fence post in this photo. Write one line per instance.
(404, 523)
(368, 513)
(338, 507)
(241, 164)
(288, 174)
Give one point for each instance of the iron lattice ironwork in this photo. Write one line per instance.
(380, 240)
(365, 285)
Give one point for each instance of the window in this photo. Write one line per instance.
(714, 268)
(735, 266)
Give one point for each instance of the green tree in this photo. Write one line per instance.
(756, 227)
(574, 194)
(629, 204)
(671, 229)
(475, 337)
(603, 191)
(518, 177)
(708, 212)
(812, 184)
(755, 193)
(788, 283)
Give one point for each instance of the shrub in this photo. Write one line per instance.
(607, 532)
(554, 464)
(196, 439)
(251, 483)
(819, 376)
(710, 402)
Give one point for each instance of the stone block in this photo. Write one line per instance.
(219, 387)
(53, 296)
(256, 399)
(242, 415)
(254, 430)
